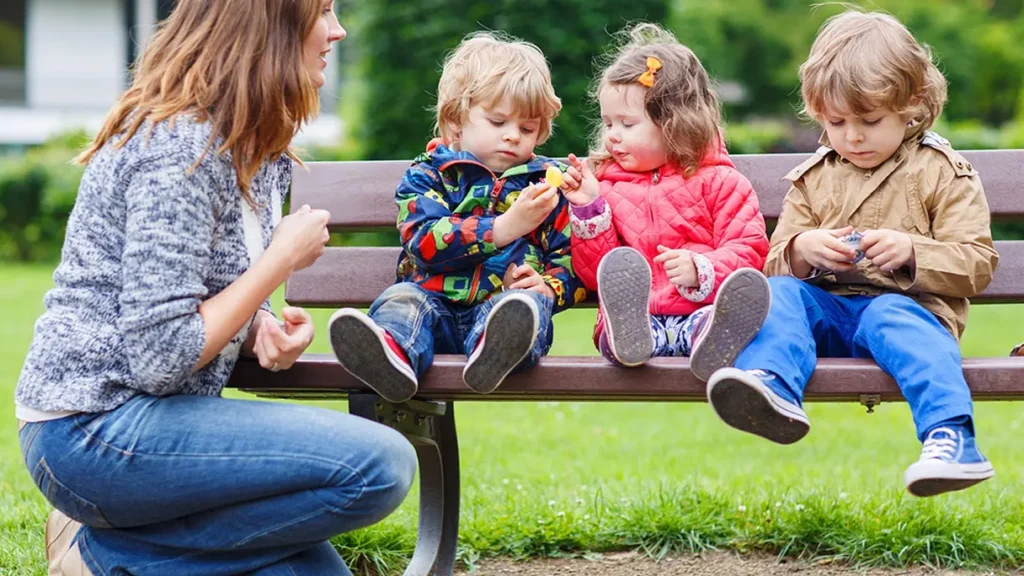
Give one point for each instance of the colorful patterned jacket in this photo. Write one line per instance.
(447, 204)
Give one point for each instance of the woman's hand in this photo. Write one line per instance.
(277, 346)
(300, 237)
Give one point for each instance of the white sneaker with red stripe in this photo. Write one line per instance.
(370, 354)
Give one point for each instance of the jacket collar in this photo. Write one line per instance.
(440, 156)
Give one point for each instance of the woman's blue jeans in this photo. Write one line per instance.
(207, 485)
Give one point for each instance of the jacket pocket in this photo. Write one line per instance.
(64, 499)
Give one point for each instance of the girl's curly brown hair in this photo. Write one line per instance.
(681, 101)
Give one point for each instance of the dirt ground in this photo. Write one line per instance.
(710, 564)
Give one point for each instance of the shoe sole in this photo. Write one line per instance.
(509, 334)
(361, 350)
(924, 480)
(624, 288)
(748, 408)
(740, 308)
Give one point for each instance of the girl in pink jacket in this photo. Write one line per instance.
(664, 226)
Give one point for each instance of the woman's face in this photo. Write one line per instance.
(326, 31)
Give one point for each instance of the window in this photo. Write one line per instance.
(164, 8)
(12, 52)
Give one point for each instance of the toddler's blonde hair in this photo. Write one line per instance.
(488, 66)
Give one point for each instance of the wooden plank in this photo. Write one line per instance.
(593, 378)
(360, 195)
(355, 276)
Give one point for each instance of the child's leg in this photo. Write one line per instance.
(740, 307)
(910, 344)
(801, 317)
(624, 287)
(762, 395)
(393, 346)
(510, 331)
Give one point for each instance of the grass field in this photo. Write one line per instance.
(568, 478)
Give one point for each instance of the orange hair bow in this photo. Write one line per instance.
(647, 78)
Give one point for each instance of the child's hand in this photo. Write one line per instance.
(524, 277)
(529, 210)
(679, 267)
(580, 187)
(888, 249)
(823, 250)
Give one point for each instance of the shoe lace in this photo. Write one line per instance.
(939, 447)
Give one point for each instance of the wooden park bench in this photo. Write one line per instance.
(359, 196)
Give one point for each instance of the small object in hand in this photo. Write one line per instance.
(507, 281)
(553, 177)
(853, 241)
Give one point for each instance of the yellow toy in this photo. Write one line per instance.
(553, 177)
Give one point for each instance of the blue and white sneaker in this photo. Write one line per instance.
(757, 402)
(950, 461)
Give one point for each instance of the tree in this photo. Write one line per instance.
(401, 44)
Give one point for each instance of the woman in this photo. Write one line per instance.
(170, 256)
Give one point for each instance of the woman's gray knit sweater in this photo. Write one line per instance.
(148, 240)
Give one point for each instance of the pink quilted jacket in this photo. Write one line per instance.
(713, 213)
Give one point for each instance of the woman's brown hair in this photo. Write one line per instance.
(237, 64)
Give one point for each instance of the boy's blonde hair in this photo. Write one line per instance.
(866, 60)
(488, 66)
(680, 101)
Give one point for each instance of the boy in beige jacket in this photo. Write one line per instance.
(883, 237)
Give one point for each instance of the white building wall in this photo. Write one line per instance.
(76, 57)
(75, 54)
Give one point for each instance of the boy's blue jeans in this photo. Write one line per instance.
(905, 340)
(214, 486)
(424, 324)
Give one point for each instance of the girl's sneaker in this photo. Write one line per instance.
(624, 289)
(739, 311)
(509, 334)
(757, 402)
(370, 354)
(950, 461)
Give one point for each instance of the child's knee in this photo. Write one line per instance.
(404, 293)
(893, 304)
(786, 287)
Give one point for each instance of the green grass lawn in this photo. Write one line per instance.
(556, 478)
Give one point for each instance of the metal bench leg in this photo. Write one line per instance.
(430, 426)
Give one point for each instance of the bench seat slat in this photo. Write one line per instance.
(593, 378)
(360, 195)
(355, 276)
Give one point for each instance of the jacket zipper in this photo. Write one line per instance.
(474, 282)
(650, 211)
(499, 183)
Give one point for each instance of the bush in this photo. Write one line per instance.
(401, 45)
(37, 193)
(760, 44)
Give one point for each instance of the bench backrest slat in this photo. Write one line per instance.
(355, 276)
(360, 195)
